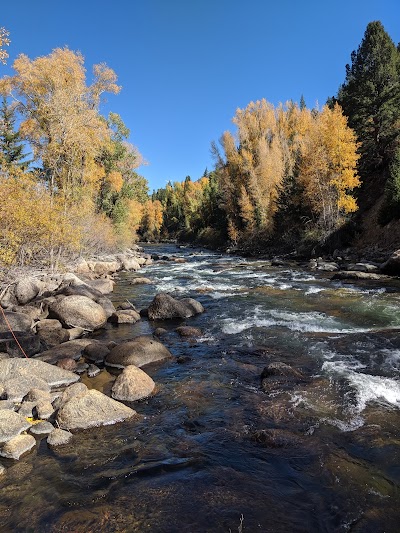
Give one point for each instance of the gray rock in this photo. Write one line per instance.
(67, 363)
(91, 410)
(58, 437)
(73, 349)
(17, 321)
(127, 316)
(132, 384)
(16, 388)
(77, 389)
(140, 351)
(107, 306)
(44, 409)
(79, 311)
(96, 352)
(11, 424)
(75, 333)
(53, 376)
(17, 446)
(128, 263)
(29, 342)
(42, 428)
(327, 267)
(105, 286)
(54, 337)
(7, 404)
(103, 267)
(93, 371)
(26, 409)
(81, 368)
(48, 324)
(164, 306)
(36, 395)
(31, 311)
(2, 470)
(26, 289)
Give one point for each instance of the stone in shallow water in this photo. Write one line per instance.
(17, 446)
(42, 428)
(44, 409)
(132, 384)
(93, 371)
(11, 424)
(58, 437)
(140, 351)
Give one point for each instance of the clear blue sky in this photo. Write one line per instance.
(186, 65)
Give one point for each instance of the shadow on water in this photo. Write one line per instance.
(210, 450)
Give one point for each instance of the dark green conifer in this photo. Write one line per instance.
(370, 97)
(11, 146)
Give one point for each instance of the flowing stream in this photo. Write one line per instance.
(212, 451)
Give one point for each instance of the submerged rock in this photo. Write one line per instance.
(92, 409)
(132, 384)
(188, 331)
(279, 375)
(140, 351)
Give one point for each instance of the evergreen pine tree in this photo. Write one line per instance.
(370, 97)
(10, 140)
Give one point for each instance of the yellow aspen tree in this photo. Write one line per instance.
(328, 168)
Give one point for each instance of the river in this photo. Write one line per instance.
(212, 451)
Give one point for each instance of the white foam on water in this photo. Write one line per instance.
(368, 388)
(314, 290)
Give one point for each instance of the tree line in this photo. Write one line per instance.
(289, 174)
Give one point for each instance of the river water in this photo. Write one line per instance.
(212, 451)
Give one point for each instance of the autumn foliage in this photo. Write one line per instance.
(81, 192)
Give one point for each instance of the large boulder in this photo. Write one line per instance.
(32, 368)
(140, 351)
(91, 410)
(26, 289)
(17, 387)
(79, 311)
(103, 285)
(132, 384)
(17, 321)
(128, 263)
(11, 424)
(103, 267)
(392, 265)
(164, 306)
(72, 349)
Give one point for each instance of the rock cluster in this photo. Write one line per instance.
(52, 315)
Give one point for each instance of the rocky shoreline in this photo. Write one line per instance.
(46, 324)
(46, 347)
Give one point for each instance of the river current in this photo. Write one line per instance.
(211, 450)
